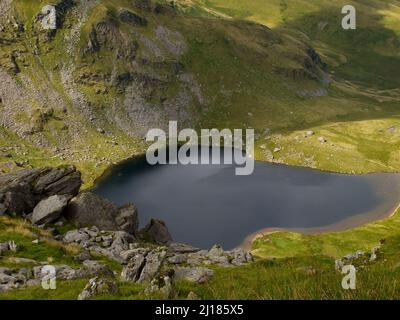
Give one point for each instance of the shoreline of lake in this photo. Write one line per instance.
(247, 243)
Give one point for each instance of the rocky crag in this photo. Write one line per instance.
(50, 197)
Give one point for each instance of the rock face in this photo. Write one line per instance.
(88, 209)
(21, 191)
(50, 209)
(157, 231)
(143, 266)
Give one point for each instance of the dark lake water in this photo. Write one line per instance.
(208, 204)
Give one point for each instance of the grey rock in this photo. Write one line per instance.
(121, 241)
(89, 209)
(198, 275)
(197, 258)
(94, 268)
(76, 236)
(153, 264)
(127, 219)
(131, 272)
(156, 230)
(240, 256)
(109, 254)
(65, 272)
(98, 286)
(6, 279)
(4, 270)
(50, 209)
(21, 191)
(127, 255)
(217, 255)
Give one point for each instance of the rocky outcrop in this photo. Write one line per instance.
(21, 191)
(88, 209)
(358, 259)
(13, 278)
(157, 231)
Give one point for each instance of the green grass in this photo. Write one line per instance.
(234, 63)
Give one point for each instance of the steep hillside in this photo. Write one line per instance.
(87, 92)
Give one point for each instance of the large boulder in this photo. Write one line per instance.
(89, 209)
(21, 191)
(153, 264)
(50, 209)
(157, 231)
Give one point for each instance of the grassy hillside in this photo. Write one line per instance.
(87, 93)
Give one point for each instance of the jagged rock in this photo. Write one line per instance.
(218, 255)
(199, 275)
(6, 279)
(121, 241)
(50, 209)
(109, 254)
(240, 256)
(153, 264)
(157, 231)
(88, 209)
(127, 255)
(21, 191)
(131, 272)
(197, 258)
(131, 18)
(98, 286)
(127, 219)
(76, 236)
